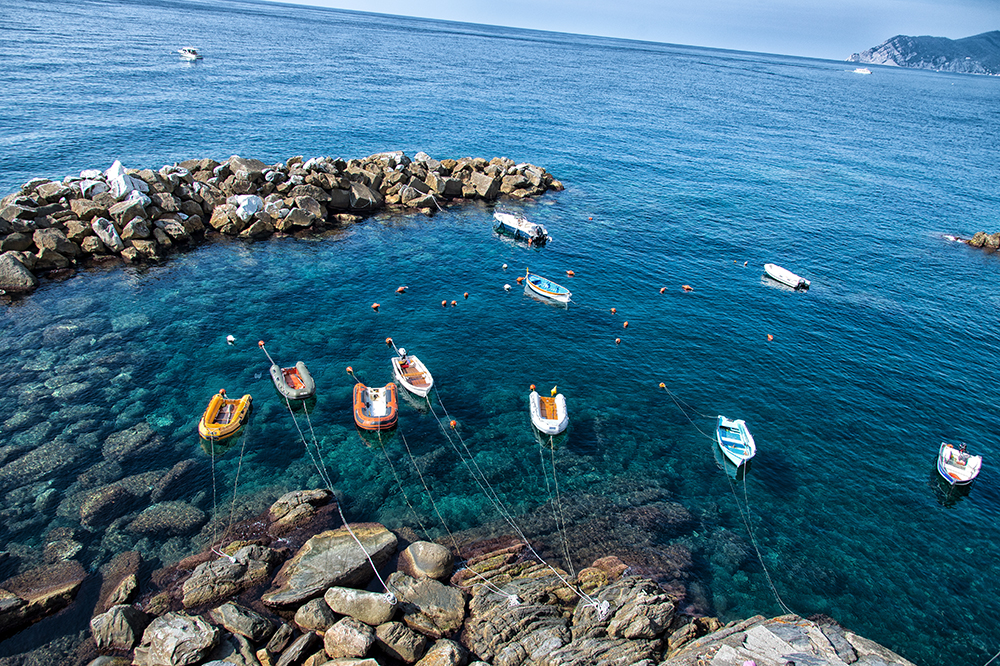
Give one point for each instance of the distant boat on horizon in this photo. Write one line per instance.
(189, 53)
(862, 70)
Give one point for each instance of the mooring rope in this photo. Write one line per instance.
(684, 412)
(561, 523)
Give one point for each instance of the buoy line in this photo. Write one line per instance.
(215, 509)
(399, 484)
(684, 412)
(603, 608)
(561, 521)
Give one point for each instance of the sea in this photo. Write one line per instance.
(682, 166)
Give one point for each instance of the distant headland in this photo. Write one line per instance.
(979, 54)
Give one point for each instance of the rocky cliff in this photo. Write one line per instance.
(979, 54)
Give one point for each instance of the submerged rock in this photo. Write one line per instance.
(37, 593)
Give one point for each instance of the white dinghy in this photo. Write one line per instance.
(548, 414)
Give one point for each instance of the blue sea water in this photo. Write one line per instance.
(682, 166)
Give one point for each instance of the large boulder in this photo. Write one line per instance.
(429, 606)
(348, 638)
(176, 639)
(37, 593)
(215, 581)
(332, 558)
(107, 233)
(243, 621)
(486, 187)
(371, 608)
(119, 580)
(167, 519)
(120, 628)
(15, 278)
(400, 642)
(139, 441)
(314, 615)
(125, 211)
(294, 508)
(53, 239)
(424, 559)
(365, 199)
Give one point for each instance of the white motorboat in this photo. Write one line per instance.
(862, 70)
(548, 414)
(520, 228)
(411, 373)
(956, 465)
(786, 277)
(735, 440)
(189, 53)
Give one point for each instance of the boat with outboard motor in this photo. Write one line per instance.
(547, 288)
(786, 277)
(375, 408)
(956, 465)
(189, 53)
(411, 373)
(224, 416)
(735, 440)
(548, 413)
(520, 228)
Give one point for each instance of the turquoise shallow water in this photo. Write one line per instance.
(680, 164)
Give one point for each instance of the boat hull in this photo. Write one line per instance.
(414, 376)
(957, 467)
(548, 415)
(224, 416)
(547, 288)
(519, 228)
(786, 277)
(293, 383)
(734, 440)
(375, 408)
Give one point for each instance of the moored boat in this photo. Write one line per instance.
(224, 416)
(375, 408)
(786, 277)
(862, 70)
(548, 413)
(411, 373)
(520, 228)
(956, 465)
(295, 383)
(189, 53)
(547, 288)
(735, 440)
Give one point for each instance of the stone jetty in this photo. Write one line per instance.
(984, 240)
(141, 215)
(297, 588)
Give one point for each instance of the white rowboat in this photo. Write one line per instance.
(735, 440)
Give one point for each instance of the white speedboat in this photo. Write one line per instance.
(862, 70)
(189, 53)
(548, 414)
(520, 228)
(411, 373)
(956, 465)
(735, 440)
(786, 277)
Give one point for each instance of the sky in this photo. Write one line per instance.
(831, 29)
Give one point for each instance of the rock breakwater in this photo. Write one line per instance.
(141, 215)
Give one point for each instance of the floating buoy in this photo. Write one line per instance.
(350, 370)
(388, 341)
(570, 273)
(745, 263)
(662, 289)
(590, 218)
(444, 304)
(520, 279)
(614, 310)
(465, 295)
(662, 385)
(618, 341)
(506, 287)
(554, 391)
(505, 266)
(230, 339)
(625, 325)
(222, 392)
(375, 307)
(532, 387)
(453, 424)
(400, 290)
(454, 303)
(260, 344)
(770, 337)
(687, 287)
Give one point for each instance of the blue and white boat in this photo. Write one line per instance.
(520, 228)
(735, 440)
(956, 465)
(547, 288)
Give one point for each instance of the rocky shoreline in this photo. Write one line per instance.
(296, 587)
(49, 227)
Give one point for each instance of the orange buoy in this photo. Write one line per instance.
(770, 337)
(590, 218)
(532, 387)
(520, 279)
(614, 310)
(454, 303)
(388, 341)
(400, 290)
(261, 344)
(375, 306)
(444, 304)
(618, 341)
(453, 424)
(662, 385)
(662, 289)
(570, 273)
(466, 294)
(222, 391)
(350, 369)
(625, 325)
(687, 287)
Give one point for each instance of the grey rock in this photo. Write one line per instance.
(314, 615)
(424, 559)
(487, 187)
(53, 239)
(243, 621)
(168, 518)
(47, 259)
(372, 608)
(16, 242)
(301, 647)
(365, 199)
(176, 481)
(444, 652)
(15, 278)
(137, 228)
(125, 211)
(429, 606)
(176, 639)
(225, 577)
(120, 628)
(348, 638)
(295, 507)
(232, 650)
(138, 441)
(281, 638)
(105, 230)
(400, 642)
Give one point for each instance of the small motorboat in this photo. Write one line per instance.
(785, 277)
(411, 373)
(224, 416)
(735, 440)
(518, 226)
(189, 53)
(293, 383)
(375, 408)
(547, 288)
(548, 414)
(862, 70)
(956, 465)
